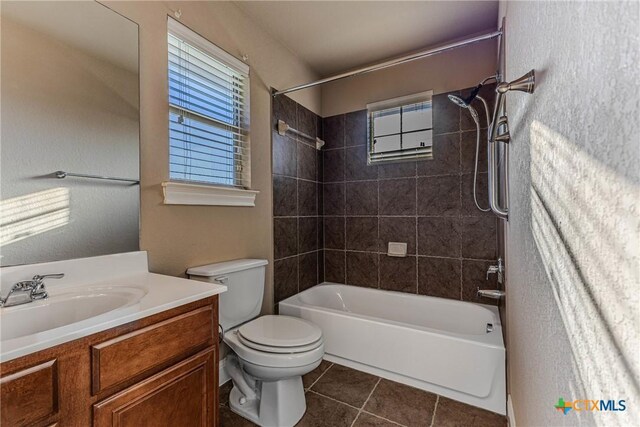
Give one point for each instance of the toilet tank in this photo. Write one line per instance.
(244, 279)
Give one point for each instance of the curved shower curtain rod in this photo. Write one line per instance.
(393, 62)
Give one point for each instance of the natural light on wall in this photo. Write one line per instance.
(585, 225)
(26, 216)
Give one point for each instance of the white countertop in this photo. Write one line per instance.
(100, 274)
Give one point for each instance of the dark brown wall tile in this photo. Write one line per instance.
(284, 155)
(320, 266)
(446, 156)
(333, 199)
(482, 193)
(307, 162)
(362, 269)
(362, 233)
(333, 131)
(357, 168)
(397, 197)
(320, 198)
(285, 196)
(285, 237)
(306, 123)
(284, 108)
(439, 277)
(474, 277)
(320, 223)
(334, 266)
(362, 198)
(319, 130)
(307, 198)
(468, 152)
(356, 128)
(333, 165)
(479, 239)
(285, 278)
(397, 229)
(398, 274)
(446, 115)
(397, 170)
(307, 270)
(307, 234)
(439, 236)
(439, 195)
(319, 165)
(334, 232)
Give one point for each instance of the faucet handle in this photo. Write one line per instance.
(40, 278)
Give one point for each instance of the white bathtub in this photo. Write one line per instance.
(434, 344)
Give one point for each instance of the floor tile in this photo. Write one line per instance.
(402, 404)
(225, 389)
(346, 385)
(450, 413)
(368, 420)
(324, 412)
(312, 376)
(229, 418)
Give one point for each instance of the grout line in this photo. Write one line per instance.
(332, 398)
(321, 375)
(365, 402)
(435, 408)
(382, 418)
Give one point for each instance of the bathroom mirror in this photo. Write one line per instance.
(70, 102)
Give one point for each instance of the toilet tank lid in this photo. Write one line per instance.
(226, 267)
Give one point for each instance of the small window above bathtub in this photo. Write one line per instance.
(401, 129)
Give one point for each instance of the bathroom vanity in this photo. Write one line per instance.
(149, 359)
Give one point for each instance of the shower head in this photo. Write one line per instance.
(458, 101)
(465, 103)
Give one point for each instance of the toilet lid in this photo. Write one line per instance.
(280, 331)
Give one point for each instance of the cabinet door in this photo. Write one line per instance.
(182, 395)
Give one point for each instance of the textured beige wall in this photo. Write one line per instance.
(456, 69)
(573, 235)
(178, 237)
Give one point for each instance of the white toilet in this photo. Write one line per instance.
(270, 353)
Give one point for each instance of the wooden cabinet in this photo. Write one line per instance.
(158, 371)
(181, 395)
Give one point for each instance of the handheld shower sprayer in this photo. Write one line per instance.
(466, 103)
(498, 132)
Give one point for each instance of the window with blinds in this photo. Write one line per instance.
(401, 129)
(208, 112)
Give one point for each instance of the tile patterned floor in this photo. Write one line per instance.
(338, 396)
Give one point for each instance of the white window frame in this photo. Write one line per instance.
(179, 192)
(395, 103)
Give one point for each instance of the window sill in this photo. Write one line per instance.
(180, 193)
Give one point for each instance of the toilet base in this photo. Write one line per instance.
(279, 403)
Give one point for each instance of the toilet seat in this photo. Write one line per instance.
(277, 356)
(280, 350)
(280, 334)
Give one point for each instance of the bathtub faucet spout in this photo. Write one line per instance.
(490, 293)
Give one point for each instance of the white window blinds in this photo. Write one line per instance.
(208, 112)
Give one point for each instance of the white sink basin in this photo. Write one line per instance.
(64, 308)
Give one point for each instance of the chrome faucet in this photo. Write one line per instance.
(28, 290)
(493, 293)
(496, 269)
